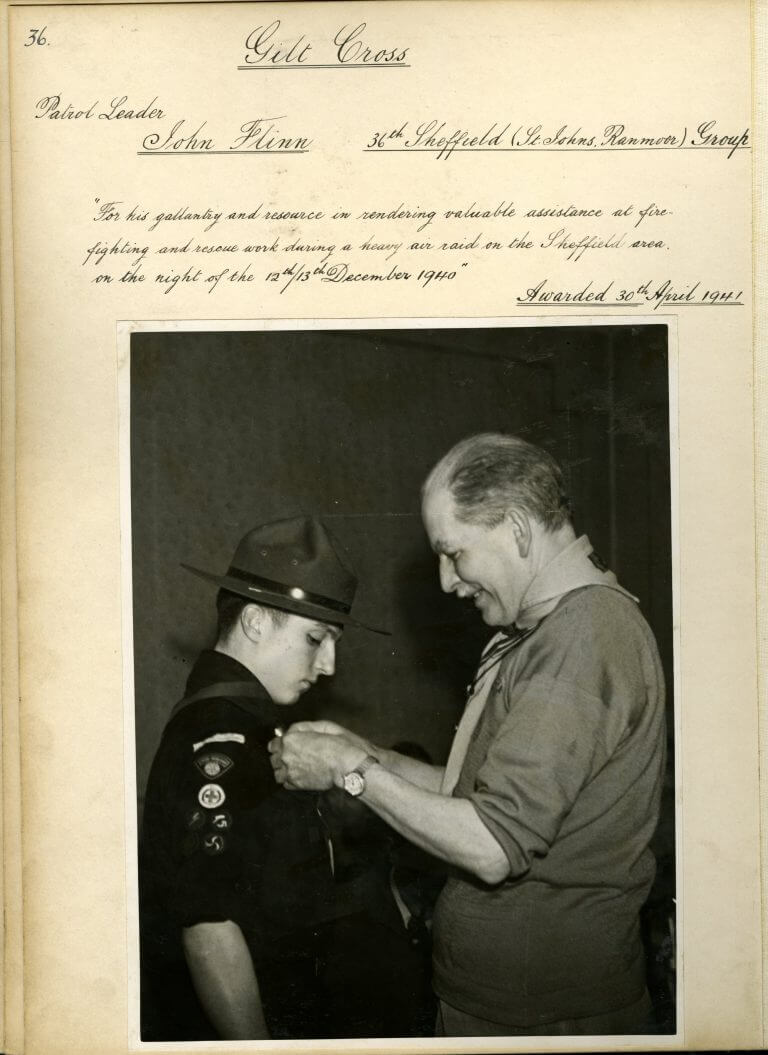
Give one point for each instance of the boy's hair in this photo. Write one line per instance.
(229, 606)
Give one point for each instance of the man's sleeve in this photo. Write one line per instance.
(554, 739)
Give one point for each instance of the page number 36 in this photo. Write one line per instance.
(36, 36)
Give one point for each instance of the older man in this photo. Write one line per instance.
(550, 795)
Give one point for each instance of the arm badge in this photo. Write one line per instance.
(211, 796)
(214, 844)
(213, 764)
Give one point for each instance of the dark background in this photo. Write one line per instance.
(232, 429)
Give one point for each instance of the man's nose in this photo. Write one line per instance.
(449, 580)
(326, 658)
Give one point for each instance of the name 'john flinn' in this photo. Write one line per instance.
(260, 134)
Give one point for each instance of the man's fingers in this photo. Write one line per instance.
(321, 726)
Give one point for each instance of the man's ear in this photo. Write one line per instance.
(252, 621)
(520, 525)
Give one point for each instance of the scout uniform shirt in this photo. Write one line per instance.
(222, 841)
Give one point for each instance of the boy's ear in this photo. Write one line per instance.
(252, 621)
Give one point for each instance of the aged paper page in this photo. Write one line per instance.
(508, 182)
(761, 392)
(11, 939)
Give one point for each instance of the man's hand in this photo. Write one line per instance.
(313, 761)
(321, 725)
(333, 729)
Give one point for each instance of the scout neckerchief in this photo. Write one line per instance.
(575, 566)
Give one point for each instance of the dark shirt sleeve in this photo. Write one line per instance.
(202, 824)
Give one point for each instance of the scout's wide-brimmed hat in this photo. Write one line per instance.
(293, 565)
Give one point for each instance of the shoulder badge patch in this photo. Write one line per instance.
(214, 844)
(211, 796)
(213, 764)
(220, 738)
(195, 820)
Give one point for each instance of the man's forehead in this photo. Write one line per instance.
(438, 511)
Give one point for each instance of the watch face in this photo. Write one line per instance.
(354, 784)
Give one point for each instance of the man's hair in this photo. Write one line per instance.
(229, 606)
(490, 473)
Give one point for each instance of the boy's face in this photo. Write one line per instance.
(292, 655)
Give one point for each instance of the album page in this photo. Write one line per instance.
(270, 260)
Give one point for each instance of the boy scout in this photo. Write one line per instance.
(232, 872)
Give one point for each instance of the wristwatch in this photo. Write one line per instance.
(354, 782)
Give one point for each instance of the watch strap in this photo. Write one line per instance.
(365, 765)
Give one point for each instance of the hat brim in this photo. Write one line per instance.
(295, 606)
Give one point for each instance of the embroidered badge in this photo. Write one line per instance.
(195, 820)
(222, 821)
(214, 844)
(211, 796)
(220, 738)
(212, 764)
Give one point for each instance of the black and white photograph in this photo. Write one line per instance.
(400, 678)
